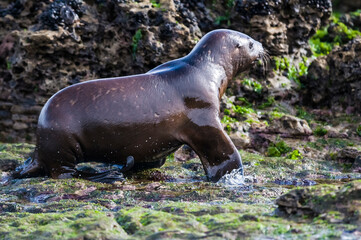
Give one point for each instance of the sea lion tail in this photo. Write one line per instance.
(30, 168)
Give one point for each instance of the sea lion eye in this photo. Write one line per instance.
(250, 45)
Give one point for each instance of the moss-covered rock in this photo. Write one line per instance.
(332, 202)
(12, 155)
(177, 202)
(79, 224)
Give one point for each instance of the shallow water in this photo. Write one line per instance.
(235, 180)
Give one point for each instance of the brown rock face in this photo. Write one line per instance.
(48, 45)
(334, 81)
(322, 201)
(65, 42)
(290, 126)
(283, 27)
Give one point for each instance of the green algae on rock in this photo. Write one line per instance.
(324, 201)
(12, 155)
(79, 224)
(183, 207)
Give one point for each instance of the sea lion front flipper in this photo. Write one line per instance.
(218, 154)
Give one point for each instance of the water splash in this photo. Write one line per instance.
(234, 178)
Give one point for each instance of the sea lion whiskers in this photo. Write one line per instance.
(264, 57)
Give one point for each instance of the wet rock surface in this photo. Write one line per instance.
(332, 203)
(295, 182)
(186, 206)
(334, 80)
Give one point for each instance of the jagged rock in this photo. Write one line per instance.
(61, 13)
(352, 20)
(349, 154)
(184, 153)
(241, 140)
(323, 201)
(282, 26)
(48, 45)
(58, 43)
(288, 125)
(334, 80)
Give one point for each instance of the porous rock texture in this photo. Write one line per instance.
(47, 45)
(52, 45)
(334, 80)
(323, 201)
(283, 27)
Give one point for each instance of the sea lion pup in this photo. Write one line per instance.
(136, 121)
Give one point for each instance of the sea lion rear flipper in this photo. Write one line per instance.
(30, 168)
(104, 177)
(110, 176)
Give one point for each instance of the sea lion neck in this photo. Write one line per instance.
(213, 60)
(212, 50)
(215, 73)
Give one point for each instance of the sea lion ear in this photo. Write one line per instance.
(251, 45)
(238, 45)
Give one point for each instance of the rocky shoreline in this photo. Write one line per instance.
(295, 120)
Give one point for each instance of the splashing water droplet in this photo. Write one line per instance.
(234, 178)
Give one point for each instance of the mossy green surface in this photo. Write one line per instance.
(13, 154)
(331, 203)
(177, 202)
(293, 71)
(79, 224)
(323, 42)
(278, 149)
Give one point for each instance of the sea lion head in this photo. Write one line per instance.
(246, 51)
(241, 49)
(234, 51)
